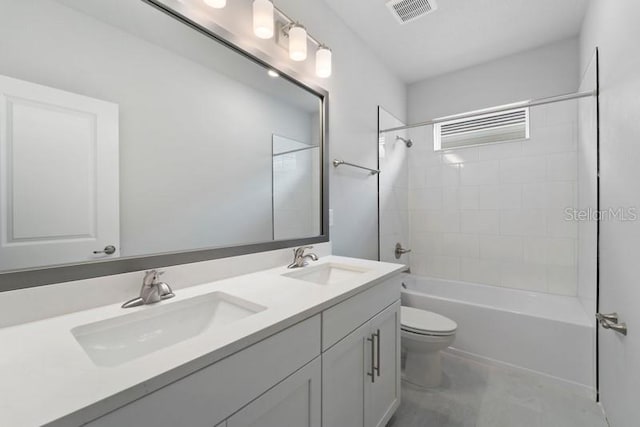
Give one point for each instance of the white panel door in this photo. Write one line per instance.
(294, 402)
(385, 391)
(58, 176)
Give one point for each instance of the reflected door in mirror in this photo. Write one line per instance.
(59, 183)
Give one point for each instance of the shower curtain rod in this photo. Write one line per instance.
(530, 103)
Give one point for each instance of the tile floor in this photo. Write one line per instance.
(482, 395)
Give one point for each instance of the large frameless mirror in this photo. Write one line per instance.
(131, 137)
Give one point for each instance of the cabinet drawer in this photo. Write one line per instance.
(340, 320)
(209, 396)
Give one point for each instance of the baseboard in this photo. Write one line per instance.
(577, 387)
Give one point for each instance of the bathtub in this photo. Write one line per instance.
(549, 334)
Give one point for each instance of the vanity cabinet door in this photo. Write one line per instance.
(344, 380)
(385, 391)
(293, 402)
(361, 374)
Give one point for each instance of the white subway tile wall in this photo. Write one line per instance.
(495, 214)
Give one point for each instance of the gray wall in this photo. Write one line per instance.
(546, 71)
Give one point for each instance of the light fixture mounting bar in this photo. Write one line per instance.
(291, 22)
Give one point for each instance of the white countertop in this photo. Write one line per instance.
(46, 376)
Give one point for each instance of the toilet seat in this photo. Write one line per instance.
(423, 322)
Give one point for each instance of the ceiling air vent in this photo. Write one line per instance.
(407, 10)
(489, 128)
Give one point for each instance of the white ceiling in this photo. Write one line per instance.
(461, 33)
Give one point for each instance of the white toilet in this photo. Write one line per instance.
(424, 334)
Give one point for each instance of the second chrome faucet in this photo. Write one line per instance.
(300, 258)
(152, 291)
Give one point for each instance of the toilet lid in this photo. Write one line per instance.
(425, 322)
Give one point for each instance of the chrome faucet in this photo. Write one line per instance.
(152, 291)
(299, 257)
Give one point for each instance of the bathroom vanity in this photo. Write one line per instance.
(314, 346)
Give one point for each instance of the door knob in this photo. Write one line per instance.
(610, 321)
(610, 317)
(108, 250)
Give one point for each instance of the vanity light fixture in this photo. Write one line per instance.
(216, 4)
(297, 42)
(323, 61)
(263, 22)
(297, 38)
(264, 25)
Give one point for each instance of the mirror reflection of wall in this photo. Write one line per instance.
(142, 134)
(295, 188)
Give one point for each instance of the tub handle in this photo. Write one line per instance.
(400, 250)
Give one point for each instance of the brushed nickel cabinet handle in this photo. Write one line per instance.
(373, 351)
(377, 336)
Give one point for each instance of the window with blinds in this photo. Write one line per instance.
(511, 125)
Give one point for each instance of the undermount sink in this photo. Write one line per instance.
(121, 339)
(326, 274)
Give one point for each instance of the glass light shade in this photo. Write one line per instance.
(263, 19)
(216, 4)
(323, 62)
(298, 43)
